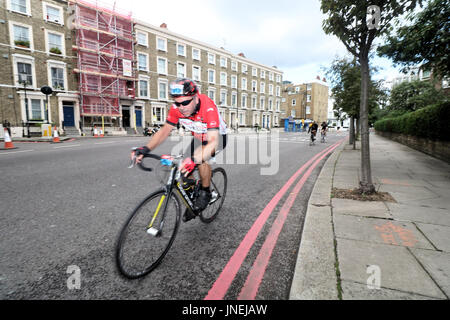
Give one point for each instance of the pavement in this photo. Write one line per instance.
(376, 250)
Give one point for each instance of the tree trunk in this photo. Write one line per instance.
(365, 184)
(352, 130)
(358, 128)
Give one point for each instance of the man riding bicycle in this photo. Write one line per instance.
(313, 129)
(197, 113)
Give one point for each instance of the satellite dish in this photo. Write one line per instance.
(46, 90)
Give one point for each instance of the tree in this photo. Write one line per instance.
(414, 95)
(425, 41)
(347, 20)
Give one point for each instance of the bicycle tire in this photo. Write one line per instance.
(212, 210)
(163, 241)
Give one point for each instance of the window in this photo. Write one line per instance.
(143, 88)
(181, 49)
(278, 77)
(308, 87)
(278, 103)
(57, 78)
(308, 98)
(212, 94)
(244, 83)
(261, 103)
(263, 87)
(254, 72)
(308, 110)
(55, 43)
(223, 97)
(223, 62)
(263, 74)
(143, 61)
(244, 101)
(278, 91)
(196, 54)
(24, 71)
(161, 44)
(271, 89)
(244, 68)
(234, 82)
(162, 65)
(270, 104)
(211, 76)
(254, 99)
(52, 13)
(254, 86)
(234, 99)
(21, 6)
(162, 89)
(233, 65)
(21, 36)
(211, 58)
(196, 73)
(223, 78)
(181, 70)
(142, 38)
(270, 76)
(36, 109)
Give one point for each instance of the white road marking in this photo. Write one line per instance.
(15, 151)
(75, 145)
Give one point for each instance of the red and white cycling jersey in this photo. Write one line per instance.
(207, 118)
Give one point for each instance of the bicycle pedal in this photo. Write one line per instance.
(214, 197)
(153, 231)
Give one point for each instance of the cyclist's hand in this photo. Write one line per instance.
(139, 153)
(187, 166)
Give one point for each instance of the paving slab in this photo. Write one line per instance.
(438, 235)
(357, 291)
(415, 213)
(407, 193)
(399, 270)
(437, 265)
(360, 208)
(380, 231)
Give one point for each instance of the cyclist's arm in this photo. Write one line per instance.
(160, 136)
(204, 153)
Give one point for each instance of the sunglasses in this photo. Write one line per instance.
(184, 103)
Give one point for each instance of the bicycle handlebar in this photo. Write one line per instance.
(148, 155)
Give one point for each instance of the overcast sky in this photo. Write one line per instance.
(283, 33)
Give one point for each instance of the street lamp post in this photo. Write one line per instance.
(23, 80)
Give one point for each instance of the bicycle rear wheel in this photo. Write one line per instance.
(219, 190)
(140, 249)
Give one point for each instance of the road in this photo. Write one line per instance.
(63, 205)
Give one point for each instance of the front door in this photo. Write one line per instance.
(126, 117)
(138, 114)
(69, 117)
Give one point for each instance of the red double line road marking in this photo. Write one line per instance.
(251, 286)
(220, 287)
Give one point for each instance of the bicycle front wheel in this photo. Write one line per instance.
(219, 190)
(147, 235)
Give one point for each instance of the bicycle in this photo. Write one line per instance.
(323, 135)
(153, 224)
(312, 138)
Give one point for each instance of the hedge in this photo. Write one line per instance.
(432, 122)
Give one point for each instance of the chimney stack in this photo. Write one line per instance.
(163, 25)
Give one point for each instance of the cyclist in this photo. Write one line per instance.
(313, 129)
(324, 128)
(197, 113)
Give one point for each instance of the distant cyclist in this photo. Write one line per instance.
(313, 129)
(197, 113)
(323, 130)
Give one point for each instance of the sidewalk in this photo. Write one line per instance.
(350, 248)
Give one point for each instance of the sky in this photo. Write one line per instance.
(283, 33)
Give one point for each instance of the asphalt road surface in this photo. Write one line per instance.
(63, 205)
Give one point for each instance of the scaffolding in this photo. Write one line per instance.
(105, 58)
